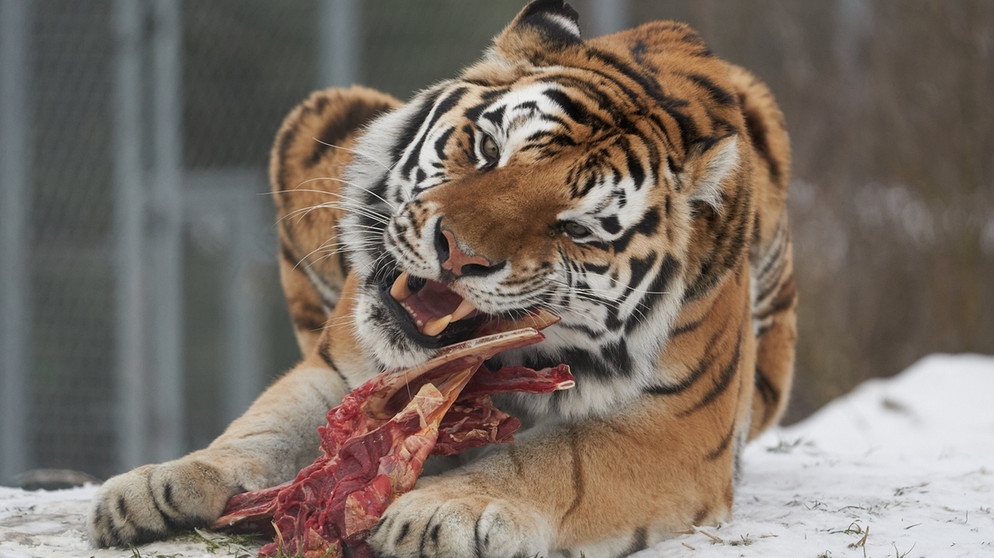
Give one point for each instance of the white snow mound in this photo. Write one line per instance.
(902, 467)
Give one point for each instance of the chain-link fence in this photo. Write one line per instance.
(141, 304)
(141, 309)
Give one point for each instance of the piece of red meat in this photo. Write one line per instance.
(376, 442)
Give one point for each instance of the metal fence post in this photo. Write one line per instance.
(129, 213)
(15, 204)
(244, 347)
(338, 57)
(166, 236)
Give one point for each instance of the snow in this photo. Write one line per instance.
(902, 467)
(899, 467)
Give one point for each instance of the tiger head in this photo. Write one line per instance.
(592, 179)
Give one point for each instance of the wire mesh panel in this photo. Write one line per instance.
(71, 272)
(241, 70)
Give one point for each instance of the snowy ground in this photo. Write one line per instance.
(899, 468)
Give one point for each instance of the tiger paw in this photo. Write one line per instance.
(153, 501)
(448, 519)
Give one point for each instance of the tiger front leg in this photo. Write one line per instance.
(457, 516)
(264, 447)
(603, 488)
(154, 501)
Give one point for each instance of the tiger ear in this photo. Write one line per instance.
(540, 27)
(708, 164)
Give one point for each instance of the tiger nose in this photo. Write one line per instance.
(456, 261)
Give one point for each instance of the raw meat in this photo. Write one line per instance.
(375, 444)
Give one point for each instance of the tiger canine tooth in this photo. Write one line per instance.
(399, 290)
(464, 309)
(436, 326)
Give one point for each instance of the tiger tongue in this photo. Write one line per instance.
(433, 307)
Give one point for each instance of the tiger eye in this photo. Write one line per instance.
(575, 230)
(488, 146)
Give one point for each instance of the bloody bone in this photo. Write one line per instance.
(375, 444)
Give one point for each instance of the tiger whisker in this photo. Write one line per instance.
(329, 249)
(354, 151)
(378, 217)
(589, 295)
(303, 211)
(390, 204)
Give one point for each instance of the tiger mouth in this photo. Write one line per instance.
(429, 312)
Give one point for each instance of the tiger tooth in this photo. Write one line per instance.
(436, 326)
(464, 309)
(399, 290)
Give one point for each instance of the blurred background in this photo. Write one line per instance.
(141, 308)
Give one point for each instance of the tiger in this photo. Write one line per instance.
(634, 185)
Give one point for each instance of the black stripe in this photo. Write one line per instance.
(141, 534)
(686, 328)
(685, 384)
(701, 515)
(424, 536)
(640, 541)
(618, 357)
(769, 276)
(287, 254)
(648, 226)
(657, 289)
(348, 120)
(473, 114)
(714, 92)
(104, 524)
(769, 394)
(758, 134)
(440, 108)
(639, 268)
(689, 132)
(440, 143)
(404, 530)
(779, 243)
(723, 446)
(172, 524)
(786, 298)
(282, 146)
(690, 36)
(574, 110)
(495, 116)
(291, 259)
(722, 382)
(479, 541)
(324, 351)
(313, 319)
(649, 85)
(635, 169)
(603, 100)
(384, 522)
(536, 15)
(610, 361)
(697, 373)
(573, 440)
(491, 94)
(610, 224)
(738, 216)
(413, 124)
(730, 231)
(377, 212)
(623, 121)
